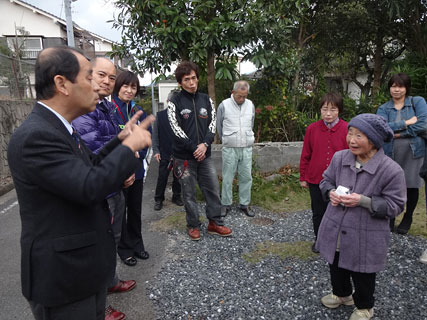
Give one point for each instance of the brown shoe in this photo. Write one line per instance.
(194, 233)
(222, 231)
(122, 286)
(112, 314)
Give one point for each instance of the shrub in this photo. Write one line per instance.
(280, 123)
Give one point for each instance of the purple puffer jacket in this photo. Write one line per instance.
(363, 236)
(97, 127)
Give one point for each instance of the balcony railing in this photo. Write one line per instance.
(30, 54)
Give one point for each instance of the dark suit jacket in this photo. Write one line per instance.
(165, 134)
(68, 250)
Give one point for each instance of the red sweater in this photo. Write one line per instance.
(320, 144)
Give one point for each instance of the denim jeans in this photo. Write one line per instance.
(190, 172)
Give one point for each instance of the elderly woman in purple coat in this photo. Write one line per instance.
(365, 189)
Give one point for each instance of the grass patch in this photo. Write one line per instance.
(297, 250)
(173, 221)
(283, 194)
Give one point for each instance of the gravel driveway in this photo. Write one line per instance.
(210, 279)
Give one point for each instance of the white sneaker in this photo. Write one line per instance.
(332, 301)
(362, 314)
(423, 258)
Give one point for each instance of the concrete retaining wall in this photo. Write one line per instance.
(269, 156)
(12, 114)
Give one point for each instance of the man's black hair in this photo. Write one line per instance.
(56, 61)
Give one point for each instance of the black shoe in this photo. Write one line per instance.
(313, 248)
(130, 261)
(405, 224)
(158, 205)
(401, 230)
(178, 202)
(142, 255)
(225, 210)
(247, 212)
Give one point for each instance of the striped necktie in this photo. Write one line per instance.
(76, 139)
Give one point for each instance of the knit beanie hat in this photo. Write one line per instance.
(374, 127)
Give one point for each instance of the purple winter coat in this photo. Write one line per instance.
(364, 236)
(97, 127)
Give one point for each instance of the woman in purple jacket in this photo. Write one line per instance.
(365, 189)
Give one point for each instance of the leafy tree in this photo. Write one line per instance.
(364, 36)
(415, 65)
(358, 36)
(159, 32)
(211, 33)
(269, 31)
(410, 17)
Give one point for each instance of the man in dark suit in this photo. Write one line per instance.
(67, 245)
(162, 150)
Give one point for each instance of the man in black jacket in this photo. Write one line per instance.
(162, 151)
(192, 118)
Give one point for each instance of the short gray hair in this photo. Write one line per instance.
(172, 93)
(241, 85)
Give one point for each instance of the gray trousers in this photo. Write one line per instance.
(116, 204)
(190, 172)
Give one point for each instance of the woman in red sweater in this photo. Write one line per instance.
(322, 139)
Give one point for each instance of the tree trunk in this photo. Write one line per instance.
(378, 66)
(211, 76)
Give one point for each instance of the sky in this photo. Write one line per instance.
(91, 15)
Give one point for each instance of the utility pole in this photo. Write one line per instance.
(70, 32)
(153, 102)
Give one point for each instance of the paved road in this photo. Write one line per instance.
(135, 304)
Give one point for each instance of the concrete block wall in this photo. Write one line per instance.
(269, 156)
(12, 114)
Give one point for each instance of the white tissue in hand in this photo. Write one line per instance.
(342, 191)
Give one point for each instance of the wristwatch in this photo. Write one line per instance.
(206, 145)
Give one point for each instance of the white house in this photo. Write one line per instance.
(34, 29)
(26, 30)
(165, 87)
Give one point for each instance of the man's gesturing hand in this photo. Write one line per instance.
(139, 137)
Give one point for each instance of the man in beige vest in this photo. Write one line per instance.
(235, 120)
